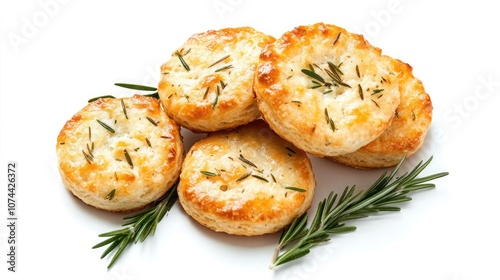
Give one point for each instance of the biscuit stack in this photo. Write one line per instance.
(265, 104)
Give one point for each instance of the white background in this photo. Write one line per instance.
(55, 55)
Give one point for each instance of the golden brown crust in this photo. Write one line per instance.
(406, 134)
(127, 166)
(241, 181)
(215, 91)
(332, 119)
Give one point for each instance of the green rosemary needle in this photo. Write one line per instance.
(130, 86)
(208, 173)
(181, 55)
(216, 98)
(295, 189)
(137, 227)
(111, 194)
(106, 126)
(136, 87)
(333, 71)
(296, 240)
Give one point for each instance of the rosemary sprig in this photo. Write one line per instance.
(296, 240)
(137, 227)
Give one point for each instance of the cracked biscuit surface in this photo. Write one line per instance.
(246, 181)
(120, 154)
(326, 90)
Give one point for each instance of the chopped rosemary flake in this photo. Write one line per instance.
(260, 178)
(335, 68)
(329, 120)
(147, 141)
(334, 72)
(90, 149)
(375, 91)
(111, 194)
(332, 125)
(357, 71)
(375, 103)
(136, 87)
(208, 173)
(124, 109)
(360, 91)
(224, 68)
(216, 98)
(412, 115)
(218, 61)
(90, 134)
(155, 123)
(313, 75)
(116, 176)
(88, 157)
(107, 127)
(242, 158)
(127, 157)
(290, 150)
(243, 177)
(336, 38)
(180, 55)
(222, 84)
(274, 179)
(295, 189)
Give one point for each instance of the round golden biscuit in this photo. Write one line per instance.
(120, 154)
(247, 181)
(327, 91)
(406, 134)
(206, 85)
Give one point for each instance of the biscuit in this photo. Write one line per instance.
(406, 134)
(327, 91)
(120, 154)
(247, 181)
(206, 85)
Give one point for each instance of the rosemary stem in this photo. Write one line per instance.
(297, 240)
